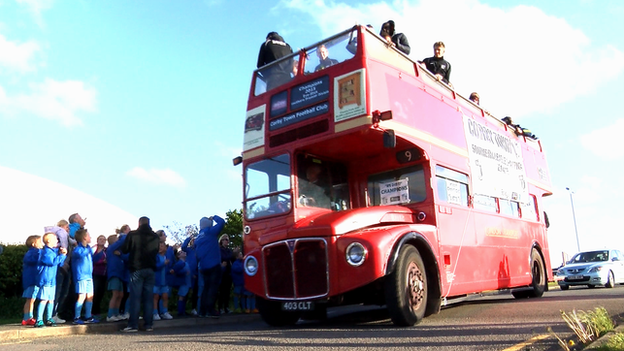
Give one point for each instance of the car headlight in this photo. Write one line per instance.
(560, 272)
(595, 269)
(251, 266)
(356, 254)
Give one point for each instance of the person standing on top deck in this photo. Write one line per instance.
(271, 50)
(474, 97)
(437, 64)
(395, 39)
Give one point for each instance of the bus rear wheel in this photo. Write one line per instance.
(272, 314)
(406, 288)
(538, 273)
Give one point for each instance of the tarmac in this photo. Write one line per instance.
(16, 332)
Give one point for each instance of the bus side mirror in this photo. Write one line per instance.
(389, 139)
(237, 160)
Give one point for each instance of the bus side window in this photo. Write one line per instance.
(452, 186)
(509, 208)
(485, 203)
(529, 211)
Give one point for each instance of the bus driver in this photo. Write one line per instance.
(312, 190)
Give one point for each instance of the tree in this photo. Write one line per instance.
(234, 227)
(179, 233)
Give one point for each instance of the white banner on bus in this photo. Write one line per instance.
(254, 128)
(496, 162)
(394, 192)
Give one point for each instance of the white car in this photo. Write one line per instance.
(592, 268)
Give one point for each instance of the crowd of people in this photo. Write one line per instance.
(69, 277)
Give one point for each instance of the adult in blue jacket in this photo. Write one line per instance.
(209, 258)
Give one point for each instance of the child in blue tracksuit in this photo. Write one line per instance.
(116, 273)
(239, 282)
(182, 281)
(49, 261)
(82, 269)
(191, 259)
(161, 289)
(30, 277)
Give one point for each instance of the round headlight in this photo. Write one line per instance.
(356, 254)
(251, 266)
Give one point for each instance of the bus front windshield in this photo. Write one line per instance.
(267, 187)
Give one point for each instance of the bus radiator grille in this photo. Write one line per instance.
(299, 273)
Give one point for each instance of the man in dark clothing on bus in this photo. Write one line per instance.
(271, 50)
(399, 40)
(142, 246)
(437, 64)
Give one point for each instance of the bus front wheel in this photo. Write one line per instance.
(272, 314)
(406, 288)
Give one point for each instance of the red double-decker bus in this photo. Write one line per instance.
(367, 181)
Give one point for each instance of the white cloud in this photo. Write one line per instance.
(35, 202)
(54, 100)
(18, 56)
(36, 7)
(510, 56)
(607, 143)
(226, 151)
(158, 176)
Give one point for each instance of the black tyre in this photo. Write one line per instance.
(591, 286)
(610, 280)
(272, 314)
(406, 288)
(538, 273)
(564, 287)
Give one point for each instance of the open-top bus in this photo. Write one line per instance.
(371, 182)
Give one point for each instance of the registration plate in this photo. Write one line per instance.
(575, 277)
(298, 306)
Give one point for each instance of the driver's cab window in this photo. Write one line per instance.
(322, 184)
(267, 187)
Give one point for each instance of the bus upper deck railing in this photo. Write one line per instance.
(343, 47)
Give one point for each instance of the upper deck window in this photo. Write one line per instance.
(267, 187)
(276, 73)
(331, 52)
(397, 187)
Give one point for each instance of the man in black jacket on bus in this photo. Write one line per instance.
(142, 246)
(271, 50)
(395, 39)
(437, 64)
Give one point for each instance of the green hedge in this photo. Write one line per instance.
(11, 283)
(11, 270)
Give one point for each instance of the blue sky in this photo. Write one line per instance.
(141, 103)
